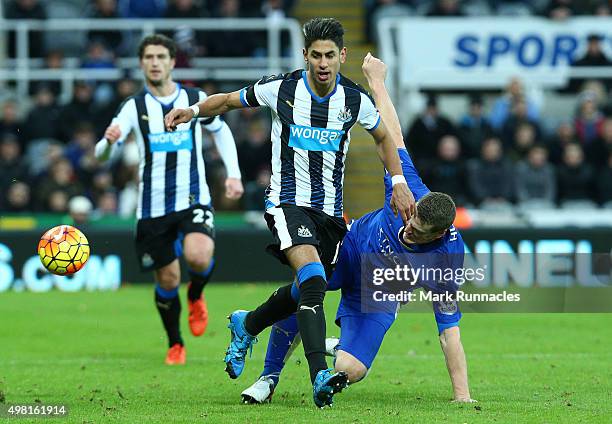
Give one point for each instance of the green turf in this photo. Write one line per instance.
(102, 353)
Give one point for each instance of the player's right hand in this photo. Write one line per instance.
(176, 117)
(402, 202)
(112, 133)
(374, 69)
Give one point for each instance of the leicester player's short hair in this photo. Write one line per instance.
(323, 29)
(157, 40)
(437, 210)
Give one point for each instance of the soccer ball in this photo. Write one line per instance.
(63, 250)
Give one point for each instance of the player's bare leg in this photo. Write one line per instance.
(352, 366)
(198, 250)
(169, 307)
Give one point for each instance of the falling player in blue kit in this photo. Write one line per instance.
(429, 240)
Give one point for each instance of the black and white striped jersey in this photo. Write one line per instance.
(171, 170)
(310, 137)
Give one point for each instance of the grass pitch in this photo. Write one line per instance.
(102, 355)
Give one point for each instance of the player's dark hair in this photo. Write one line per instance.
(157, 40)
(323, 29)
(437, 210)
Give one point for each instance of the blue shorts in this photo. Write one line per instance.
(361, 336)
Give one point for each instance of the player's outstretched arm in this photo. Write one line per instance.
(104, 148)
(388, 136)
(214, 105)
(450, 341)
(375, 72)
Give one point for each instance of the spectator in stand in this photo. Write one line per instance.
(426, 130)
(98, 57)
(517, 118)
(474, 128)
(447, 172)
(601, 8)
(604, 188)
(597, 152)
(503, 106)
(564, 135)
(80, 208)
(106, 203)
(80, 152)
(255, 151)
(142, 8)
(229, 43)
(45, 113)
(594, 57)
(9, 119)
(535, 177)
(17, 198)
(60, 185)
(186, 9)
(54, 59)
(574, 175)
(561, 9)
(12, 166)
(105, 9)
(490, 177)
(26, 9)
(101, 183)
(80, 109)
(589, 120)
(189, 43)
(446, 8)
(524, 139)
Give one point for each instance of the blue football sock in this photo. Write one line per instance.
(281, 341)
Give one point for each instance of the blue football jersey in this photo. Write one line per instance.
(376, 235)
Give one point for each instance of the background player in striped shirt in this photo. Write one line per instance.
(313, 111)
(429, 240)
(174, 212)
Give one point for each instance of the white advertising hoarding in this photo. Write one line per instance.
(486, 52)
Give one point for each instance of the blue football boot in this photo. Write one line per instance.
(241, 341)
(326, 384)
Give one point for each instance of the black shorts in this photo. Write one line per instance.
(156, 237)
(294, 225)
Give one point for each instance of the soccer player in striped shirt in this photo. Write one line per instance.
(313, 111)
(378, 238)
(175, 216)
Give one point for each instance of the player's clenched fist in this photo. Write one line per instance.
(233, 188)
(402, 201)
(112, 133)
(374, 69)
(176, 117)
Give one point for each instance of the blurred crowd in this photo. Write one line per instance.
(504, 154)
(47, 154)
(552, 9)
(100, 48)
(500, 153)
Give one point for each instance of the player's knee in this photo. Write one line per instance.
(199, 259)
(355, 370)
